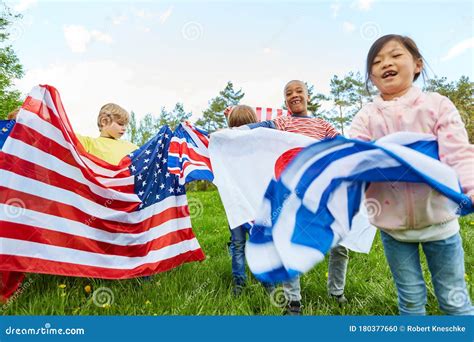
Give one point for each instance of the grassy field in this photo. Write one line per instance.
(205, 288)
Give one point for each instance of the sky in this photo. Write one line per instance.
(144, 55)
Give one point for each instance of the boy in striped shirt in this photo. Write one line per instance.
(296, 100)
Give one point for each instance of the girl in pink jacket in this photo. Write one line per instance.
(410, 213)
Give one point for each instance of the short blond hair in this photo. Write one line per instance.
(12, 115)
(241, 115)
(112, 113)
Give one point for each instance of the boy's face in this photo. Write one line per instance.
(296, 97)
(113, 129)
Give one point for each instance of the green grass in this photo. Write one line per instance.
(204, 288)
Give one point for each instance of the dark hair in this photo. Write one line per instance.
(407, 42)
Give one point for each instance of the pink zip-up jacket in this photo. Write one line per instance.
(413, 205)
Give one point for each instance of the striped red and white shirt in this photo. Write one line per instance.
(311, 127)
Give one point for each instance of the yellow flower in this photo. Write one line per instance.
(106, 306)
(87, 289)
(147, 302)
(62, 286)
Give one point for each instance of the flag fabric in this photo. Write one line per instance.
(264, 114)
(5, 129)
(312, 205)
(245, 162)
(66, 212)
(189, 155)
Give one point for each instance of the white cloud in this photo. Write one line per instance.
(335, 7)
(23, 5)
(459, 49)
(348, 27)
(78, 37)
(119, 19)
(84, 87)
(166, 14)
(363, 5)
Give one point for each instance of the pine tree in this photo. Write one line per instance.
(10, 67)
(348, 95)
(213, 117)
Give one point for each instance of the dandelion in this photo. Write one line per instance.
(147, 302)
(62, 286)
(87, 289)
(106, 306)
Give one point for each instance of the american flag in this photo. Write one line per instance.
(66, 212)
(189, 155)
(264, 114)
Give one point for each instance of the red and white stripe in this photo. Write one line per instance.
(64, 211)
(264, 114)
(194, 158)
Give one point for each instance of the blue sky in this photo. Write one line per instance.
(147, 54)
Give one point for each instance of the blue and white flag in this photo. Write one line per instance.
(312, 206)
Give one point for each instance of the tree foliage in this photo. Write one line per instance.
(213, 117)
(10, 67)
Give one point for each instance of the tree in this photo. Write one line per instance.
(213, 117)
(132, 131)
(348, 95)
(178, 115)
(10, 67)
(461, 94)
(143, 130)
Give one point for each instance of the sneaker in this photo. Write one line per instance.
(237, 290)
(294, 308)
(340, 299)
(269, 288)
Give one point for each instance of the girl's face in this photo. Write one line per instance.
(393, 70)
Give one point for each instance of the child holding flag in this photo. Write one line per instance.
(413, 214)
(299, 122)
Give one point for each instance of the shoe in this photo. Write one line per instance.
(269, 288)
(294, 308)
(340, 299)
(237, 290)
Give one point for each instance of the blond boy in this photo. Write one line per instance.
(112, 122)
